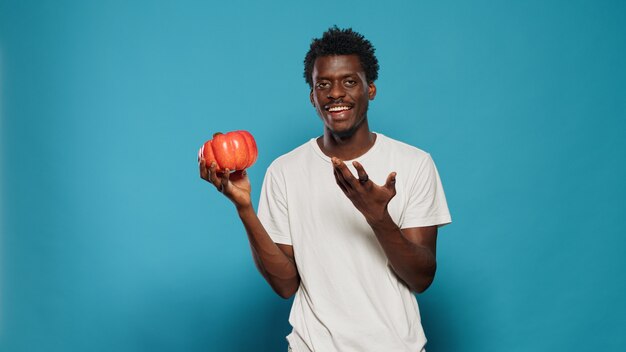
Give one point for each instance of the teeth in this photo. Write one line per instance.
(339, 108)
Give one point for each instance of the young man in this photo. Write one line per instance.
(348, 221)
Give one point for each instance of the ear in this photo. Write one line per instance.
(311, 98)
(371, 94)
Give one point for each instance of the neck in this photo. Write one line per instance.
(347, 147)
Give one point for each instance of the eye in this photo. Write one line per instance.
(350, 83)
(322, 85)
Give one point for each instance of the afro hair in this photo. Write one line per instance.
(337, 41)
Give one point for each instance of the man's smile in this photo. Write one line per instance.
(337, 108)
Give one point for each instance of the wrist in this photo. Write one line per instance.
(383, 220)
(244, 209)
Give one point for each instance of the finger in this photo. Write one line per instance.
(344, 172)
(340, 181)
(363, 177)
(225, 183)
(204, 173)
(213, 178)
(339, 175)
(391, 181)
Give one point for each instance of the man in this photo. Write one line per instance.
(348, 221)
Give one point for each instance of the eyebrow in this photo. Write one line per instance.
(347, 75)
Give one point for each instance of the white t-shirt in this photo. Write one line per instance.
(349, 298)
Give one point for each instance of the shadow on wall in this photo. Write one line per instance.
(198, 320)
(438, 312)
(437, 321)
(261, 324)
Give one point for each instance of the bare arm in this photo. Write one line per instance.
(411, 251)
(274, 261)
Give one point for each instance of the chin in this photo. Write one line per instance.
(343, 133)
(347, 131)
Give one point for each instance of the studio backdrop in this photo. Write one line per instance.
(110, 241)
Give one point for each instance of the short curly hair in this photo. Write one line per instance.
(337, 41)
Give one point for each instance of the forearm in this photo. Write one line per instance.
(277, 268)
(413, 263)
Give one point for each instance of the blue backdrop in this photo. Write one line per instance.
(111, 242)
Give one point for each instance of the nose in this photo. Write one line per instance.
(336, 91)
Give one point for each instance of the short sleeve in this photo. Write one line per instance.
(426, 204)
(272, 211)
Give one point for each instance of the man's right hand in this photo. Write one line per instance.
(235, 186)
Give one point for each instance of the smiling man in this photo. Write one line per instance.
(347, 221)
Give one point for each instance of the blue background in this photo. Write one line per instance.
(111, 242)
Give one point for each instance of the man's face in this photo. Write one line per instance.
(340, 93)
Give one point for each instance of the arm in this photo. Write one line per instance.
(411, 251)
(274, 261)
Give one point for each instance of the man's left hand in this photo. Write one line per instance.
(369, 198)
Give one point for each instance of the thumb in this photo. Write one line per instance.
(391, 181)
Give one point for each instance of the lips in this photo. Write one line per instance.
(337, 108)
